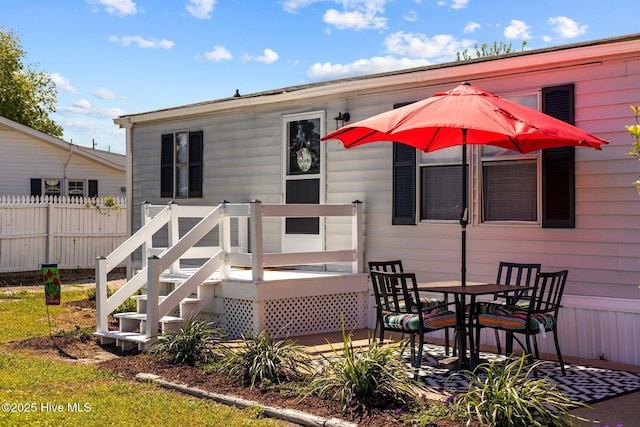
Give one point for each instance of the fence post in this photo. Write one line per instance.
(255, 214)
(101, 295)
(357, 231)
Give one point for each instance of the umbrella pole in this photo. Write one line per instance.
(464, 215)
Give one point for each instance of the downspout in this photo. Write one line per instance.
(129, 183)
(63, 190)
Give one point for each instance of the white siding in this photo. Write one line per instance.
(242, 162)
(23, 157)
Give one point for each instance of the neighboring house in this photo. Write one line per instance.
(34, 163)
(576, 208)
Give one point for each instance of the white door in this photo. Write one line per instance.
(303, 179)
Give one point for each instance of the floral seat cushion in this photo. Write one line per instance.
(434, 319)
(514, 318)
(427, 303)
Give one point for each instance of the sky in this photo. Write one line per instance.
(110, 58)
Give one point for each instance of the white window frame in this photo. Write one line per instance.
(46, 185)
(475, 163)
(71, 182)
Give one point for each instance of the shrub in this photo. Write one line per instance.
(512, 396)
(262, 360)
(195, 342)
(129, 305)
(373, 375)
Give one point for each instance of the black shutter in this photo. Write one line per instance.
(404, 182)
(404, 185)
(166, 166)
(93, 188)
(36, 186)
(195, 164)
(558, 165)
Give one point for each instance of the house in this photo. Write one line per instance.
(265, 146)
(37, 164)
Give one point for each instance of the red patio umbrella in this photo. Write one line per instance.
(461, 116)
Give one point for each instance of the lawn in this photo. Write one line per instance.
(38, 391)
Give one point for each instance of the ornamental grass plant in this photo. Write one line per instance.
(511, 395)
(374, 375)
(196, 342)
(260, 360)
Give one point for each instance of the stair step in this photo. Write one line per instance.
(142, 316)
(143, 297)
(125, 336)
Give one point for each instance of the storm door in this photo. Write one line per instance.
(303, 179)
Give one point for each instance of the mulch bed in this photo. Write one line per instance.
(128, 365)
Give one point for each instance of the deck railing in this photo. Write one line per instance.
(219, 258)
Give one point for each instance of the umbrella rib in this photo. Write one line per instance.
(515, 144)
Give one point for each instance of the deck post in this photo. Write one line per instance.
(225, 240)
(257, 261)
(174, 233)
(101, 295)
(357, 232)
(153, 292)
(147, 244)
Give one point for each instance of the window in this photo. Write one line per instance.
(52, 187)
(441, 184)
(181, 164)
(76, 188)
(535, 187)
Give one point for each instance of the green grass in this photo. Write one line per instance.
(39, 386)
(26, 316)
(46, 392)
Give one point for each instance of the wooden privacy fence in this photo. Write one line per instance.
(71, 232)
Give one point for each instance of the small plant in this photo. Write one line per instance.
(82, 334)
(195, 343)
(374, 375)
(510, 396)
(128, 305)
(262, 360)
(634, 131)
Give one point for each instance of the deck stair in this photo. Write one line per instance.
(182, 277)
(132, 326)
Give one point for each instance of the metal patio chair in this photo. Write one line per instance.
(400, 309)
(538, 317)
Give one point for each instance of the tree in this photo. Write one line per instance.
(634, 131)
(498, 48)
(27, 95)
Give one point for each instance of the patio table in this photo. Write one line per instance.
(464, 327)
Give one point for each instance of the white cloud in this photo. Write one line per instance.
(201, 8)
(566, 28)
(103, 93)
(82, 104)
(459, 4)
(268, 57)
(219, 53)
(329, 71)
(142, 42)
(442, 47)
(354, 20)
(63, 84)
(292, 6)
(117, 7)
(455, 4)
(517, 30)
(411, 16)
(471, 27)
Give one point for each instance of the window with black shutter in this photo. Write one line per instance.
(558, 164)
(36, 186)
(404, 182)
(93, 188)
(181, 165)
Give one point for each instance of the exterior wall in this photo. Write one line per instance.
(242, 162)
(23, 157)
